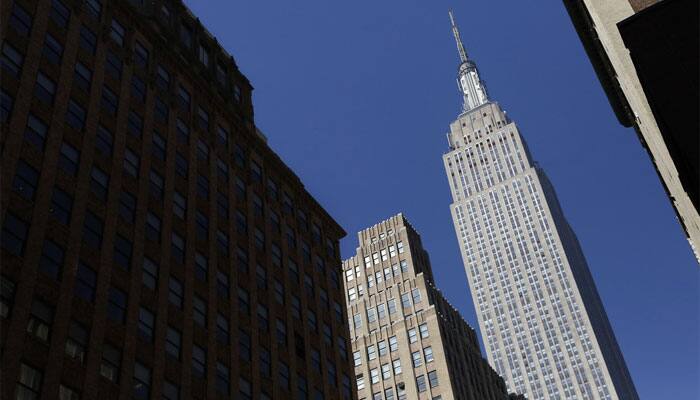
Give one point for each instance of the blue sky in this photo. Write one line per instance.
(357, 97)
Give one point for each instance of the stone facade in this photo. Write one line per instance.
(408, 342)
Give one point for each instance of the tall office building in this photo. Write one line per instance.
(645, 53)
(408, 342)
(542, 321)
(153, 245)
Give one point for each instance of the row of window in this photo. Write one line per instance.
(389, 272)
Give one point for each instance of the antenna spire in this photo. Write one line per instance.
(458, 39)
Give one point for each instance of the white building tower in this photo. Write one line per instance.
(542, 321)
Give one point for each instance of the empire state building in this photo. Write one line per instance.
(543, 324)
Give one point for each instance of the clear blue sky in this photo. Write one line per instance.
(356, 96)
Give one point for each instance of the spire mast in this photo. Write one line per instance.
(458, 39)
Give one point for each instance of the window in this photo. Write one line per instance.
(416, 296)
(202, 186)
(7, 296)
(420, 383)
(14, 234)
(6, 102)
(404, 266)
(75, 116)
(76, 343)
(159, 146)
(221, 73)
(127, 206)
(135, 124)
(393, 344)
(140, 55)
(117, 32)
(433, 379)
(181, 167)
(201, 266)
(150, 273)
(186, 35)
(113, 66)
(223, 378)
(417, 360)
(94, 7)
(262, 317)
(26, 180)
(203, 55)
(386, 371)
(40, 320)
(360, 379)
(371, 352)
(92, 230)
(85, 282)
(424, 333)
(371, 315)
(162, 78)
(199, 308)
(29, 383)
(156, 184)
(296, 307)
(35, 132)
(428, 353)
(179, 204)
(381, 346)
(244, 345)
(203, 120)
(222, 329)
(88, 40)
(131, 163)
(183, 97)
(116, 306)
(53, 50)
(104, 141)
(99, 183)
(222, 284)
(175, 292)
(261, 277)
(20, 20)
(283, 375)
(397, 366)
(60, 14)
(147, 321)
(177, 248)
(173, 342)
(240, 189)
(69, 159)
(244, 389)
(405, 301)
(265, 364)
(315, 360)
(111, 360)
(171, 391)
(142, 381)
(52, 257)
(222, 135)
(381, 311)
(110, 102)
(357, 320)
(374, 375)
(311, 320)
(412, 335)
(161, 111)
(11, 59)
(243, 301)
(199, 361)
(153, 224)
(122, 252)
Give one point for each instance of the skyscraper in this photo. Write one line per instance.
(542, 321)
(153, 245)
(408, 341)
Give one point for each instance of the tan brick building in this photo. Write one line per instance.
(408, 342)
(153, 244)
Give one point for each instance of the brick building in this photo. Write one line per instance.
(153, 245)
(408, 341)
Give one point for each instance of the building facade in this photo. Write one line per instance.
(408, 342)
(543, 324)
(153, 245)
(645, 53)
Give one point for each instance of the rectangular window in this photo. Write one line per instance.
(186, 35)
(26, 180)
(177, 248)
(173, 342)
(203, 54)
(405, 301)
(88, 40)
(53, 50)
(92, 230)
(75, 116)
(135, 124)
(153, 225)
(181, 167)
(424, 333)
(199, 361)
(113, 66)
(159, 146)
(428, 353)
(374, 375)
(6, 103)
(20, 20)
(69, 159)
(35, 132)
(110, 102)
(150, 273)
(171, 391)
(222, 135)
(142, 381)
(138, 88)
(116, 306)
(29, 383)
(140, 55)
(156, 185)
(412, 335)
(94, 7)
(40, 321)
(122, 252)
(201, 266)
(265, 367)
(77, 341)
(183, 98)
(104, 141)
(397, 366)
(381, 346)
(131, 163)
(85, 282)
(243, 301)
(11, 59)
(179, 205)
(127, 206)
(162, 78)
(244, 345)
(223, 378)
(420, 383)
(199, 307)
(14, 234)
(417, 360)
(52, 257)
(393, 344)
(161, 111)
(60, 14)
(262, 317)
(111, 361)
(222, 329)
(147, 321)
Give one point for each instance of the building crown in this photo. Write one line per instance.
(470, 84)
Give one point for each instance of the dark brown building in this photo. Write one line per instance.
(153, 245)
